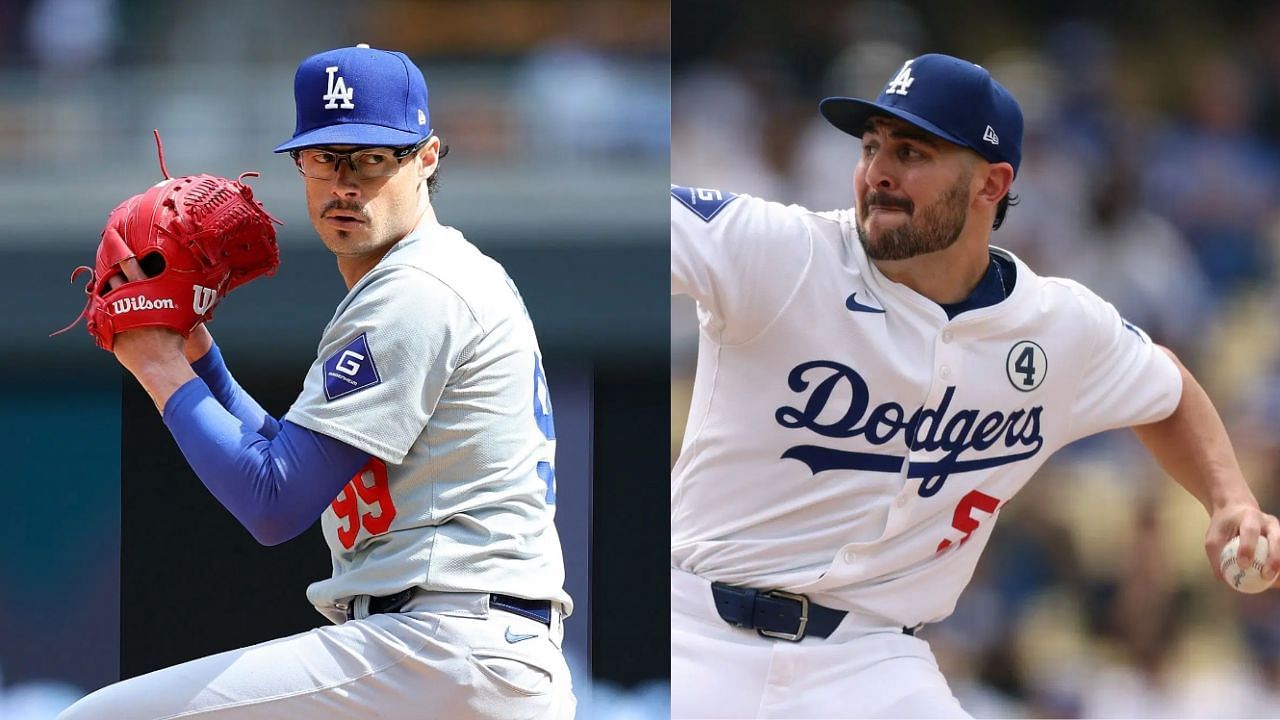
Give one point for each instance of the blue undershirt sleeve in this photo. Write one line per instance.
(275, 487)
(213, 370)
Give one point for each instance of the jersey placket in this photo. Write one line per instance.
(945, 369)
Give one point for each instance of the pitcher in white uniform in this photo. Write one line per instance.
(423, 439)
(873, 385)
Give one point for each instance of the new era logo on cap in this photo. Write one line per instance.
(359, 96)
(952, 98)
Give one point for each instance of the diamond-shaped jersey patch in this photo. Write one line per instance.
(706, 203)
(350, 369)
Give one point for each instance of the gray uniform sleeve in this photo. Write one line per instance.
(384, 361)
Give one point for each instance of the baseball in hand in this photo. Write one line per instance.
(1245, 579)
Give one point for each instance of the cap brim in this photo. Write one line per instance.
(352, 134)
(851, 114)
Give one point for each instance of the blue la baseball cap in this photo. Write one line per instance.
(359, 96)
(952, 98)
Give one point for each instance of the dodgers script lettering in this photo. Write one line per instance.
(954, 431)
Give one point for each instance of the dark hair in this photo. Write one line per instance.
(433, 182)
(1001, 208)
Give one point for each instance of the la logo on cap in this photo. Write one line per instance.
(900, 84)
(338, 90)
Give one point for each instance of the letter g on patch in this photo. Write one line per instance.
(350, 369)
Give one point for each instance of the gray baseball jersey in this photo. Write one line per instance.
(431, 364)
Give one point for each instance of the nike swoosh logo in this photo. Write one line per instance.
(513, 638)
(853, 304)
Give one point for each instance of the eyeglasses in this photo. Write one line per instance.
(322, 164)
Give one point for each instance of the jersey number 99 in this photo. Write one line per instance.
(369, 487)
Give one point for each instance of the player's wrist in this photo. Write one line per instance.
(198, 344)
(162, 381)
(1237, 494)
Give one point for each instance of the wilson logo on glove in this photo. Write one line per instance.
(141, 302)
(201, 232)
(205, 299)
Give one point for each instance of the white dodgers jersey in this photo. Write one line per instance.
(848, 441)
(431, 365)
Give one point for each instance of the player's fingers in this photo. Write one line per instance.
(1271, 531)
(132, 270)
(1250, 529)
(1217, 537)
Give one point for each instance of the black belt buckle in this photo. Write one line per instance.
(798, 635)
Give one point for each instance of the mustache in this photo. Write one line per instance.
(347, 206)
(879, 198)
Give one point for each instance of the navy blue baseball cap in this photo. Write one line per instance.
(359, 96)
(945, 96)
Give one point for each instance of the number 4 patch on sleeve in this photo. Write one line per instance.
(706, 203)
(350, 369)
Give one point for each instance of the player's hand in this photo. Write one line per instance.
(1245, 519)
(141, 348)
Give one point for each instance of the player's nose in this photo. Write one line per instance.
(877, 172)
(344, 183)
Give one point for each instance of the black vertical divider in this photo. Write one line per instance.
(630, 561)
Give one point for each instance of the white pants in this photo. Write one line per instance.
(865, 669)
(446, 655)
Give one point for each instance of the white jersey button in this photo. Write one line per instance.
(902, 500)
(945, 371)
(849, 556)
(947, 336)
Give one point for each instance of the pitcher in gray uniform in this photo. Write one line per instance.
(423, 438)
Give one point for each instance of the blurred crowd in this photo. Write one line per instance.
(1150, 173)
(516, 87)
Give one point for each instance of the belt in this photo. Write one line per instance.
(777, 614)
(539, 610)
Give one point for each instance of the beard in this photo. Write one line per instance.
(937, 227)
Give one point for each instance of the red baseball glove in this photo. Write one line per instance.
(195, 238)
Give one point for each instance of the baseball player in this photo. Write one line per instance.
(873, 386)
(423, 440)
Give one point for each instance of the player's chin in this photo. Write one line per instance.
(343, 242)
(875, 232)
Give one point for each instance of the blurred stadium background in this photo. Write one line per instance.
(557, 116)
(1150, 172)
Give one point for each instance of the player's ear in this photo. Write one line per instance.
(997, 178)
(428, 157)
